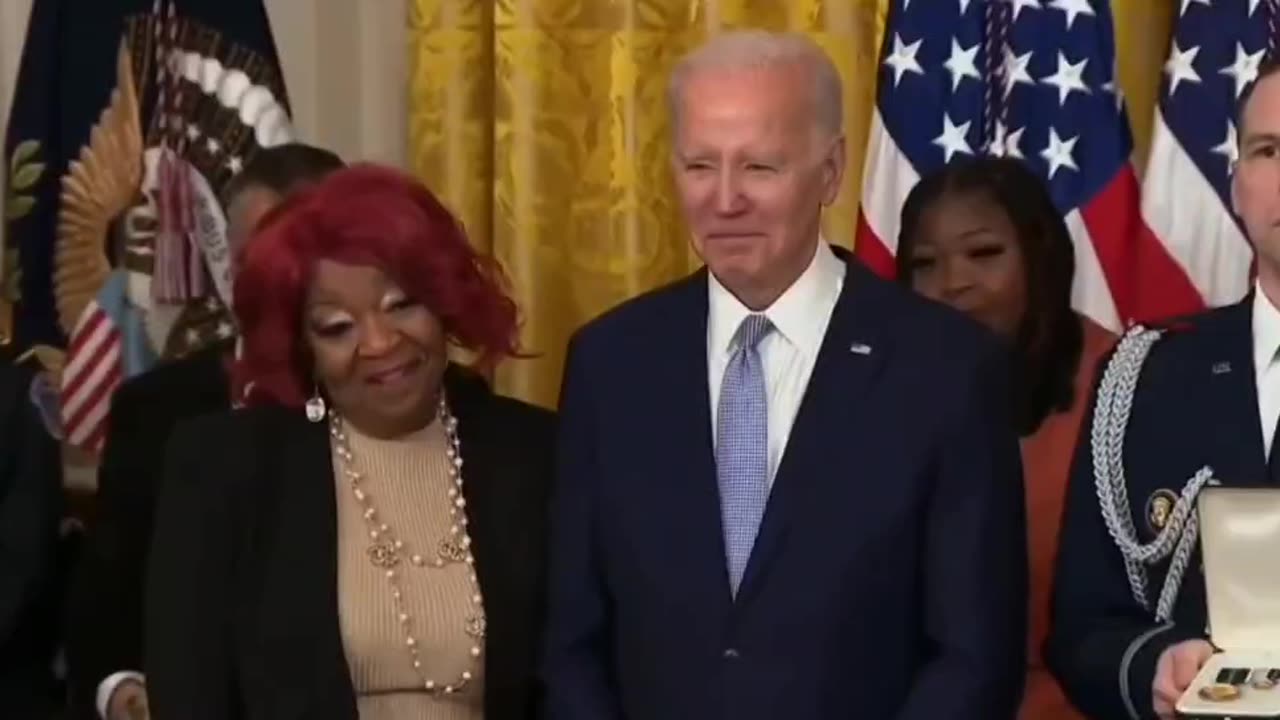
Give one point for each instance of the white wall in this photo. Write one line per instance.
(13, 30)
(345, 66)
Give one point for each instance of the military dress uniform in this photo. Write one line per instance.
(1176, 409)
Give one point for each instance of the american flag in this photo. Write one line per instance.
(1031, 79)
(1215, 53)
(92, 373)
(107, 345)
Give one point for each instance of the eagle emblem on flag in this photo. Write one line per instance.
(141, 269)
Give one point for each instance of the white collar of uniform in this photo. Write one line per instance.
(1266, 329)
(799, 314)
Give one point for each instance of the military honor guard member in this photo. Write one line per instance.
(1178, 408)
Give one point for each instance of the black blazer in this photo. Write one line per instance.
(242, 602)
(30, 510)
(104, 626)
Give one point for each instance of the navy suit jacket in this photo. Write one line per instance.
(1196, 404)
(888, 579)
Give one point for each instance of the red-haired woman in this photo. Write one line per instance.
(365, 537)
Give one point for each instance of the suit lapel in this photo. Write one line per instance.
(1232, 398)
(852, 353)
(304, 564)
(688, 440)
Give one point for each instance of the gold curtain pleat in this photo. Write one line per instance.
(542, 123)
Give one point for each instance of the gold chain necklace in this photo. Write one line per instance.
(387, 551)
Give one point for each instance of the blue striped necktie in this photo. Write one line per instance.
(742, 446)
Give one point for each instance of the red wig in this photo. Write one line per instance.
(361, 215)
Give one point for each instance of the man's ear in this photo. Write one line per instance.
(833, 166)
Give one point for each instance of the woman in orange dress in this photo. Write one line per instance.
(984, 236)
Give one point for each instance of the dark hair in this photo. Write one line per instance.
(1268, 67)
(282, 169)
(365, 215)
(1049, 343)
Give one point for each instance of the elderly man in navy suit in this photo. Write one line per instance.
(787, 488)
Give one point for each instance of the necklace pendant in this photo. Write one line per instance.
(476, 626)
(384, 555)
(452, 550)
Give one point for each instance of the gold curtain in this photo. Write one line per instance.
(542, 123)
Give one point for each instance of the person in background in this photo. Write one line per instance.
(983, 236)
(1128, 632)
(365, 538)
(786, 487)
(30, 513)
(104, 649)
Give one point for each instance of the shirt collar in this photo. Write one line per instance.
(1266, 330)
(798, 314)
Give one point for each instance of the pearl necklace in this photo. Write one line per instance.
(387, 551)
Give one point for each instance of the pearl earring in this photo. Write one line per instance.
(315, 407)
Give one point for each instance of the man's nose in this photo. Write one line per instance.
(730, 199)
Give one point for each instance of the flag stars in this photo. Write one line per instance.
(952, 140)
(1020, 5)
(1058, 153)
(1006, 143)
(1015, 70)
(903, 58)
(1181, 66)
(1188, 3)
(1244, 69)
(1110, 88)
(1229, 148)
(1069, 77)
(962, 63)
(1072, 8)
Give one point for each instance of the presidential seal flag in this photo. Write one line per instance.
(128, 119)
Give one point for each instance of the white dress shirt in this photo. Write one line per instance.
(1266, 343)
(787, 355)
(107, 688)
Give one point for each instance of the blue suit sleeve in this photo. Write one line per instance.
(975, 559)
(578, 657)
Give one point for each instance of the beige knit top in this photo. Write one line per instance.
(407, 481)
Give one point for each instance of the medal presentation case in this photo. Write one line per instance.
(1240, 544)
